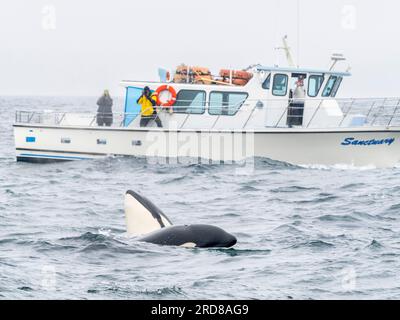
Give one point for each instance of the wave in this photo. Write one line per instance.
(339, 167)
(87, 236)
(353, 186)
(292, 189)
(88, 242)
(394, 207)
(233, 252)
(287, 229)
(132, 290)
(319, 244)
(164, 165)
(338, 218)
(321, 199)
(261, 162)
(367, 216)
(166, 291)
(110, 242)
(375, 245)
(248, 188)
(175, 179)
(38, 245)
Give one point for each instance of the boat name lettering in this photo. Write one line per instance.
(355, 142)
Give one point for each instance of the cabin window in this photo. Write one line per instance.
(280, 85)
(336, 87)
(226, 103)
(190, 101)
(267, 83)
(329, 86)
(314, 85)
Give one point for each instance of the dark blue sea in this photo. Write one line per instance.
(303, 233)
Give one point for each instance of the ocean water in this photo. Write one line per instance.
(303, 233)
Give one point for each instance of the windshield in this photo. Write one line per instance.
(329, 86)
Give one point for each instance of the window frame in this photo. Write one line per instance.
(287, 84)
(336, 86)
(191, 113)
(268, 78)
(320, 87)
(226, 92)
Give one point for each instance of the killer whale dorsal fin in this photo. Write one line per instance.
(142, 216)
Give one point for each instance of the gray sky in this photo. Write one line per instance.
(71, 47)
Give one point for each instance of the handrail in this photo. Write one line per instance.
(395, 110)
(281, 117)
(31, 116)
(91, 122)
(347, 113)
(183, 123)
(315, 112)
(248, 119)
(384, 111)
(380, 108)
(62, 118)
(370, 109)
(215, 122)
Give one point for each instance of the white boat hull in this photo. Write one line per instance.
(374, 146)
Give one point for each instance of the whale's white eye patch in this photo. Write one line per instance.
(188, 245)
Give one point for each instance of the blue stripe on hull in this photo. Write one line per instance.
(36, 157)
(40, 160)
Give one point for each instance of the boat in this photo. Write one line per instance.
(232, 116)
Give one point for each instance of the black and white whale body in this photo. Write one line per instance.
(150, 224)
(196, 235)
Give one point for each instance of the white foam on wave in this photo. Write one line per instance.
(338, 167)
(105, 232)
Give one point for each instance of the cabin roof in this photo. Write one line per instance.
(303, 70)
(133, 83)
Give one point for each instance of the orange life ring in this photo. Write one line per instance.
(172, 92)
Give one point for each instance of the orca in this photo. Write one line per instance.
(150, 224)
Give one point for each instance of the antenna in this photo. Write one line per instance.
(335, 58)
(298, 33)
(277, 36)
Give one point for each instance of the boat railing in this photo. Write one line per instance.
(72, 118)
(374, 112)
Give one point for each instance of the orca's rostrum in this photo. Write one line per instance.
(150, 224)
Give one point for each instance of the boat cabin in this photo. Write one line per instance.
(255, 98)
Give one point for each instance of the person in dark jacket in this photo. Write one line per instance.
(104, 112)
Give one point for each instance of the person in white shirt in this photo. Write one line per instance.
(296, 108)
